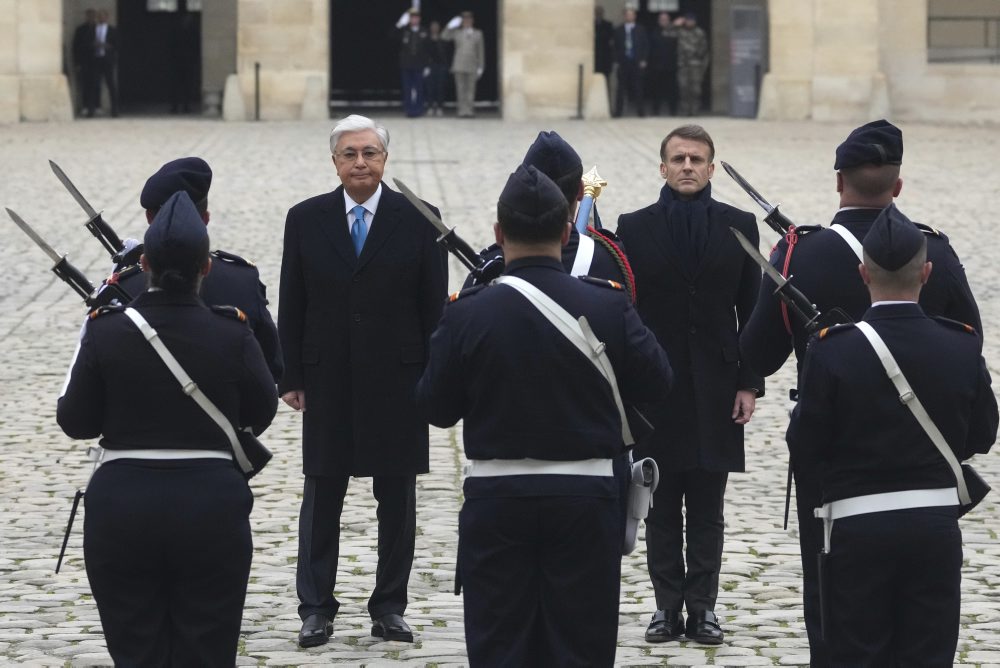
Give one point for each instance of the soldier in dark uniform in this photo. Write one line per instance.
(539, 534)
(824, 267)
(233, 280)
(595, 254)
(167, 538)
(414, 59)
(895, 557)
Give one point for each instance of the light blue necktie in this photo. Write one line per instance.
(359, 231)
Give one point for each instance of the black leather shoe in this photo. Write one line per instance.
(703, 626)
(666, 625)
(392, 627)
(316, 631)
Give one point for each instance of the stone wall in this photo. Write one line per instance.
(290, 39)
(32, 85)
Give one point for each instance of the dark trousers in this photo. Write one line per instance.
(103, 71)
(630, 84)
(436, 84)
(701, 494)
(808, 497)
(895, 583)
(413, 90)
(167, 547)
(541, 580)
(319, 543)
(663, 88)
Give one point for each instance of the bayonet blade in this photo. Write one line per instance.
(80, 199)
(421, 207)
(752, 251)
(749, 189)
(56, 257)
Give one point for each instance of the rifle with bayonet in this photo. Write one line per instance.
(802, 307)
(483, 270)
(72, 276)
(122, 253)
(776, 220)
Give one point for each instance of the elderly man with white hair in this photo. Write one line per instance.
(363, 284)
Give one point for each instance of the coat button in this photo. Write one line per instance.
(693, 329)
(357, 317)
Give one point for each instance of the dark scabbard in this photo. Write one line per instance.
(69, 527)
(788, 494)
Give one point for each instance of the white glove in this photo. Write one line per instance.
(454, 23)
(404, 20)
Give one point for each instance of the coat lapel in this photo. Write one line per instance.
(718, 230)
(334, 225)
(658, 223)
(383, 224)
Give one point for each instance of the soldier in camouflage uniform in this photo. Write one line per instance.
(692, 62)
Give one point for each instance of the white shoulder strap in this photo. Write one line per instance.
(579, 334)
(190, 387)
(850, 240)
(584, 256)
(911, 401)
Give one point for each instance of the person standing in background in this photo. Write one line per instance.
(468, 63)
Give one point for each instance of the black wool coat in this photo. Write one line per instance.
(354, 332)
(697, 317)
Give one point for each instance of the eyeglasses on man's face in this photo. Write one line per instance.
(368, 154)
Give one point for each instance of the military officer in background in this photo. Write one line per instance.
(594, 254)
(233, 280)
(824, 264)
(167, 540)
(692, 63)
(539, 533)
(895, 555)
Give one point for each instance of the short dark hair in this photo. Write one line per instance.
(692, 132)
(180, 278)
(871, 181)
(906, 277)
(523, 228)
(569, 184)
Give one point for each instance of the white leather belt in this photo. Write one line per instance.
(481, 468)
(109, 455)
(877, 503)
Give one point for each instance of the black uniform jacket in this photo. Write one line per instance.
(523, 389)
(825, 269)
(120, 389)
(232, 281)
(697, 317)
(850, 424)
(354, 332)
(640, 44)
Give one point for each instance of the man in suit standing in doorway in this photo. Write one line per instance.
(363, 283)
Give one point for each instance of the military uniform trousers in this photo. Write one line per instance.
(808, 497)
(167, 548)
(895, 579)
(541, 577)
(319, 543)
(702, 494)
(690, 78)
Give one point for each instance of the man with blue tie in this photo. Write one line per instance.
(363, 283)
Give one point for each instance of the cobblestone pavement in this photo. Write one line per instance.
(262, 169)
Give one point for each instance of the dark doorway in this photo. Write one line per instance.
(159, 63)
(647, 16)
(364, 50)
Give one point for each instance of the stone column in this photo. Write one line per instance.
(32, 85)
(218, 51)
(291, 41)
(542, 45)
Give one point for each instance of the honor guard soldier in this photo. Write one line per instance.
(539, 534)
(233, 280)
(823, 262)
(592, 254)
(892, 575)
(167, 539)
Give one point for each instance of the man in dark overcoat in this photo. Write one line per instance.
(823, 263)
(363, 284)
(698, 288)
(631, 55)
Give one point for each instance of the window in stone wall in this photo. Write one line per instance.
(963, 31)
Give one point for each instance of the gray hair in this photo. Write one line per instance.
(356, 123)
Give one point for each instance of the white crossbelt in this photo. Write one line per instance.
(150, 453)
(850, 240)
(486, 468)
(878, 503)
(584, 256)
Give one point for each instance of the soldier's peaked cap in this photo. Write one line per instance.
(532, 193)
(876, 143)
(192, 175)
(552, 155)
(177, 237)
(893, 239)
